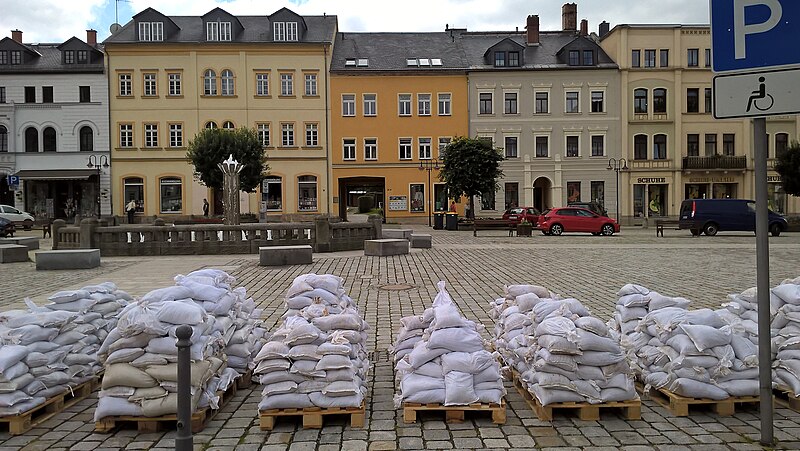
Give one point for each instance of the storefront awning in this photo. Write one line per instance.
(55, 174)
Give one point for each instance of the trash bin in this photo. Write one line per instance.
(438, 221)
(451, 222)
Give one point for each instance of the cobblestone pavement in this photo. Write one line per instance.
(589, 268)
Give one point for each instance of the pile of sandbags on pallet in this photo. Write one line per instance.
(785, 299)
(317, 357)
(571, 357)
(140, 355)
(48, 349)
(449, 364)
(512, 322)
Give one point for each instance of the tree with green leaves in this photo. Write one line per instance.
(213, 146)
(471, 166)
(788, 166)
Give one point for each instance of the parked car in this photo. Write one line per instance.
(710, 216)
(573, 219)
(591, 206)
(16, 216)
(6, 228)
(518, 214)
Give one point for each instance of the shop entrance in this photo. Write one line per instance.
(352, 188)
(542, 193)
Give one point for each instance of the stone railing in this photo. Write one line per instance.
(198, 239)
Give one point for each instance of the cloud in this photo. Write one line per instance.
(50, 20)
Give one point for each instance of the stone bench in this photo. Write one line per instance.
(420, 241)
(284, 255)
(13, 253)
(385, 247)
(397, 234)
(68, 259)
(31, 242)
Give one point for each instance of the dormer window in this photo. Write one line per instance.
(574, 58)
(151, 31)
(16, 57)
(588, 58)
(69, 56)
(499, 59)
(513, 59)
(83, 56)
(436, 61)
(411, 61)
(350, 62)
(280, 31)
(291, 31)
(424, 62)
(218, 31)
(363, 62)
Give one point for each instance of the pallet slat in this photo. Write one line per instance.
(631, 410)
(679, 405)
(455, 414)
(787, 398)
(25, 421)
(312, 416)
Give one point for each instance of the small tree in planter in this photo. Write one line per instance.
(524, 228)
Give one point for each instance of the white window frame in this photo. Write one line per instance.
(175, 135)
(262, 84)
(279, 31)
(517, 100)
(547, 138)
(287, 135)
(228, 125)
(505, 150)
(566, 102)
(291, 31)
(151, 135)
(603, 100)
(445, 105)
(370, 105)
(225, 33)
(126, 136)
(566, 140)
(312, 135)
(145, 33)
(311, 84)
(443, 142)
(158, 31)
(287, 85)
(348, 105)
(126, 84)
(227, 83)
(209, 82)
(425, 148)
(349, 149)
(370, 149)
(169, 181)
(262, 128)
(175, 84)
(404, 105)
(150, 84)
(423, 104)
(546, 92)
(406, 144)
(212, 31)
(491, 103)
(591, 144)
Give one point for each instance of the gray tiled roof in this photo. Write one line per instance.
(390, 51)
(50, 61)
(256, 29)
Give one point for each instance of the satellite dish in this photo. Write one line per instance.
(114, 28)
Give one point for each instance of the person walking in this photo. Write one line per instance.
(205, 207)
(131, 210)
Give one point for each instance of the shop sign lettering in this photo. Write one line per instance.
(774, 178)
(646, 180)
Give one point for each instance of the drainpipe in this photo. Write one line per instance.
(328, 167)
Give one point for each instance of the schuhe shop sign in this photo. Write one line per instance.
(646, 180)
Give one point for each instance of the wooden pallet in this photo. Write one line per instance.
(245, 380)
(631, 410)
(786, 398)
(25, 421)
(155, 424)
(455, 414)
(679, 405)
(312, 416)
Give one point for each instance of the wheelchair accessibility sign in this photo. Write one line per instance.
(765, 93)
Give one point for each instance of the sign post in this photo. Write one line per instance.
(751, 40)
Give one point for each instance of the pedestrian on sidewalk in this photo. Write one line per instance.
(131, 210)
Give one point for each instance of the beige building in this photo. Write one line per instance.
(172, 76)
(673, 146)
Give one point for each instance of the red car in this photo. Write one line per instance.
(518, 214)
(573, 219)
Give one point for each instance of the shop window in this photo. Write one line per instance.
(776, 198)
(440, 197)
(573, 192)
(307, 193)
(272, 193)
(724, 191)
(171, 195)
(638, 200)
(696, 191)
(417, 196)
(599, 193)
(487, 201)
(133, 188)
(657, 200)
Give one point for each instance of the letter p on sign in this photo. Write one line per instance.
(742, 29)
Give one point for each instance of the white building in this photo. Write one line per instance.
(54, 127)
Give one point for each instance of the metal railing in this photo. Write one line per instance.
(715, 162)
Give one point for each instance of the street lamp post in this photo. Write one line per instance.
(97, 162)
(429, 165)
(616, 166)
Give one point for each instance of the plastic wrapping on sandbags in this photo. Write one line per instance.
(785, 300)
(47, 350)
(317, 357)
(441, 358)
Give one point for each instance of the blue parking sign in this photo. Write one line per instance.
(12, 180)
(754, 34)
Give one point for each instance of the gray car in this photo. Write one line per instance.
(18, 217)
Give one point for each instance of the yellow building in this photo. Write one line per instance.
(396, 100)
(171, 76)
(674, 147)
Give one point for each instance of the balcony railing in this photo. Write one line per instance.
(715, 162)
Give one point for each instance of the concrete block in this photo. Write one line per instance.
(31, 242)
(385, 247)
(398, 234)
(284, 255)
(12, 253)
(420, 241)
(68, 259)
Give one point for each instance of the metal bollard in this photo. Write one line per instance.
(183, 440)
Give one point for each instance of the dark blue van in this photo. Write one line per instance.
(710, 216)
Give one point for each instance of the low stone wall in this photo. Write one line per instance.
(198, 239)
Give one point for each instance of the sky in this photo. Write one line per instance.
(58, 20)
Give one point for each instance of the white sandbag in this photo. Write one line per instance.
(455, 340)
(181, 312)
(705, 337)
(632, 289)
(20, 382)
(459, 389)
(21, 407)
(550, 396)
(285, 401)
(471, 363)
(63, 297)
(123, 374)
(696, 389)
(10, 355)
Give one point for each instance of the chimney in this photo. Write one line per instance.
(569, 17)
(584, 27)
(91, 37)
(16, 35)
(603, 29)
(533, 30)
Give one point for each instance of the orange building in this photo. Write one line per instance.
(396, 100)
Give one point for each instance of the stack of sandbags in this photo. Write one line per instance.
(237, 319)
(512, 323)
(411, 331)
(317, 356)
(140, 356)
(450, 364)
(786, 328)
(573, 358)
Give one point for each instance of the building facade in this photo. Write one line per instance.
(674, 147)
(54, 127)
(550, 100)
(171, 77)
(397, 100)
